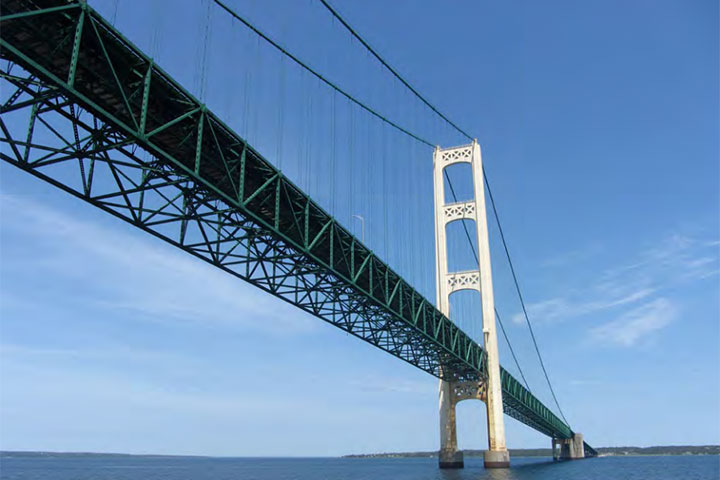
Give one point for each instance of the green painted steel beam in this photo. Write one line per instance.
(206, 190)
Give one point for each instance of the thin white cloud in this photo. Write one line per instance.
(397, 385)
(559, 309)
(676, 260)
(637, 324)
(120, 353)
(139, 275)
(107, 387)
(708, 274)
(581, 382)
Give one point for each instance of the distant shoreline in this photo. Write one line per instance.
(546, 452)
(669, 450)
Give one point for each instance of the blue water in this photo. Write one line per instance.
(185, 468)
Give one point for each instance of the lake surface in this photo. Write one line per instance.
(187, 468)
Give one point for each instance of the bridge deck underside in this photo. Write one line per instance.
(89, 113)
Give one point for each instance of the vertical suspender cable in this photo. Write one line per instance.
(203, 59)
(497, 315)
(384, 119)
(281, 114)
(324, 80)
(113, 18)
(392, 70)
(492, 201)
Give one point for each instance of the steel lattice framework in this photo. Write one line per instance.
(88, 112)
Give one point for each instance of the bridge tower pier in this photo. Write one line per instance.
(449, 456)
(496, 456)
(451, 393)
(570, 448)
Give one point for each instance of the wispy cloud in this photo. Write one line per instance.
(583, 382)
(92, 354)
(397, 385)
(676, 258)
(559, 309)
(139, 275)
(105, 387)
(633, 326)
(640, 285)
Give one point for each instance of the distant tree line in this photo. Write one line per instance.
(546, 452)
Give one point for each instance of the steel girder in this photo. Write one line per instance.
(94, 116)
(589, 451)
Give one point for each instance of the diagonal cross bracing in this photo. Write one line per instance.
(91, 114)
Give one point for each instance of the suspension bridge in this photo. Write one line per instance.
(90, 113)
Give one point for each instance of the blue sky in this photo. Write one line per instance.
(599, 128)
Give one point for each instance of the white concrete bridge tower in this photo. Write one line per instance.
(480, 280)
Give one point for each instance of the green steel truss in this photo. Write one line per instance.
(94, 116)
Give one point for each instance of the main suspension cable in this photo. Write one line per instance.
(497, 315)
(450, 122)
(295, 59)
(522, 302)
(485, 178)
(386, 65)
(384, 119)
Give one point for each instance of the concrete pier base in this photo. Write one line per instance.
(449, 455)
(496, 458)
(451, 459)
(570, 448)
